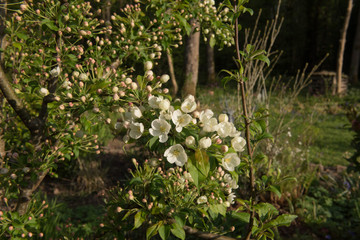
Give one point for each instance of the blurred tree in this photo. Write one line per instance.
(339, 66)
(355, 54)
(191, 60)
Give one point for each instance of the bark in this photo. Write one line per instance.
(3, 13)
(191, 61)
(175, 87)
(355, 55)
(210, 65)
(341, 51)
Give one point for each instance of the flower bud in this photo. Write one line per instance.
(148, 65)
(164, 78)
(223, 117)
(190, 141)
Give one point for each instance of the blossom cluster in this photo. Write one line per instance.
(167, 121)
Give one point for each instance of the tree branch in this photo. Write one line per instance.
(205, 235)
(33, 124)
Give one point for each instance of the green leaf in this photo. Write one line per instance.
(164, 232)
(282, 220)
(152, 230)
(17, 45)
(136, 180)
(193, 171)
(202, 162)
(263, 58)
(184, 23)
(275, 190)
(50, 24)
(178, 231)
(264, 208)
(152, 141)
(22, 35)
(265, 135)
(139, 219)
(242, 216)
(180, 219)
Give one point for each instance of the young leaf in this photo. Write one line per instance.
(139, 219)
(164, 232)
(178, 231)
(152, 230)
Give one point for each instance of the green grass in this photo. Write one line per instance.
(318, 124)
(332, 141)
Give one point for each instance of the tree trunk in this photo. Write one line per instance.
(210, 65)
(355, 55)
(191, 61)
(338, 87)
(175, 87)
(3, 13)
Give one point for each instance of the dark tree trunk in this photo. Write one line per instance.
(191, 61)
(355, 55)
(210, 65)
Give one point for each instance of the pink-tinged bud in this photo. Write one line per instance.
(30, 234)
(224, 148)
(81, 84)
(41, 235)
(83, 99)
(102, 225)
(69, 95)
(218, 141)
(149, 88)
(62, 107)
(232, 228)
(116, 97)
(99, 91)
(118, 209)
(11, 228)
(134, 86)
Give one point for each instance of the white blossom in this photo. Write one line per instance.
(205, 115)
(205, 142)
(176, 154)
(164, 104)
(189, 104)
(238, 143)
(136, 130)
(180, 120)
(230, 161)
(161, 128)
(155, 101)
(136, 112)
(231, 198)
(55, 72)
(44, 91)
(210, 125)
(226, 129)
(202, 199)
(83, 77)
